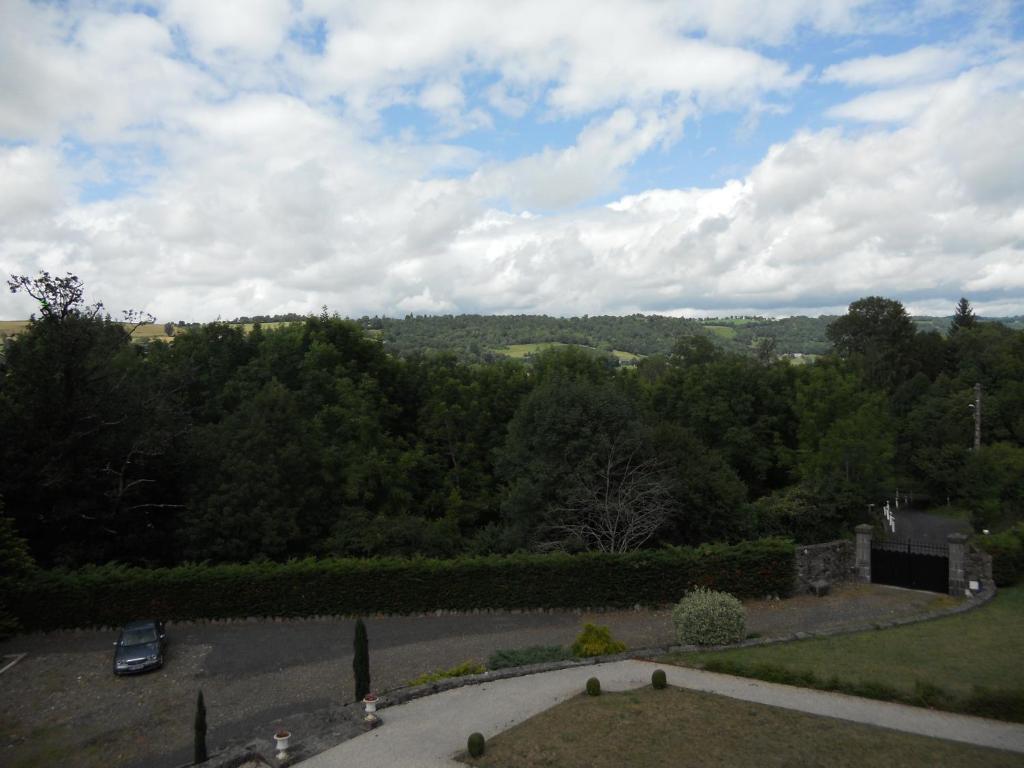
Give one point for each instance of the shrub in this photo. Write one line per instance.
(109, 595)
(593, 687)
(476, 744)
(463, 669)
(1007, 550)
(536, 654)
(199, 754)
(658, 679)
(361, 661)
(596, 641)
(706, 617)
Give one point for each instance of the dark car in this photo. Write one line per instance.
(140, 647)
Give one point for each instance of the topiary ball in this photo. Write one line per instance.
(593, 687)
(658, 679)
(476, 744)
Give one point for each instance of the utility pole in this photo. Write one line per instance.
(976, 405)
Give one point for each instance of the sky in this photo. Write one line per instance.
(201, 160)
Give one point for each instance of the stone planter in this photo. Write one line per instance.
(370, 703)
(283, 738)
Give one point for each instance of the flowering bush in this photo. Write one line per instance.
(707, 617)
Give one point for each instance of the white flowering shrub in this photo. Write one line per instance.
(707, 617)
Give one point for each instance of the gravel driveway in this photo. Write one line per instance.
(62, 705)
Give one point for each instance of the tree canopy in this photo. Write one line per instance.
(316, 438)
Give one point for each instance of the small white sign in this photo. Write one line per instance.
(974, 586)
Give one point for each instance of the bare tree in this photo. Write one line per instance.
(615, 503)
(58, 297)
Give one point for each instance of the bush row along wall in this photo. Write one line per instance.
(110, 595)
(1007, 550)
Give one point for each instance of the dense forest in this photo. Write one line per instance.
(316, 438)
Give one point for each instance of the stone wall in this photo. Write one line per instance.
(832, 562)
(978, 566)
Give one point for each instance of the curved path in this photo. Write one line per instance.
(428, 732)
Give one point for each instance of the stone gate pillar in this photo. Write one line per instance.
(863, 552)
(957, 563)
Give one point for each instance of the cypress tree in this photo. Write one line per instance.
(200, 755)
(963, 316)
(361, 661)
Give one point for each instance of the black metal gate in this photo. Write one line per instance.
(906, 563)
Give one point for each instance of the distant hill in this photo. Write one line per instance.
(485, 338)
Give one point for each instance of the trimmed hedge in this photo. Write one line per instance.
(112, 594)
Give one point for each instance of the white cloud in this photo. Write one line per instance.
(34, 184)
(889, 106)
(926, 62)
(595, 56)
(275, 191)
(94, 73)
(556, 178)
(252, 28)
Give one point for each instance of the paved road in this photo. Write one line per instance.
(927, 528)
(421, 734)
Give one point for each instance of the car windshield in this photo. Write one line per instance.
(138, 636)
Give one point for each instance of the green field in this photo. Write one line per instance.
(519, 351)
(722, 331)
(712, 321)
(802, 360)
(149, 332)
(968, 662)
(12, 327)
(678, 728)
(247, 327)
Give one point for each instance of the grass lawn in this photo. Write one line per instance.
(678, 727)
(939, 663)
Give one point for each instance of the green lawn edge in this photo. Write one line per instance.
(965, 663)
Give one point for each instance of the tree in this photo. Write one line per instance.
(617, 501)
(85, 422)
(199, 726)
(557, 428)
(58, 297)
(963, 316)
(877, 335)
(737, 407)
(15, 558)
(708, 496)
(847, 438)
(361, 661)
(15, 561)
